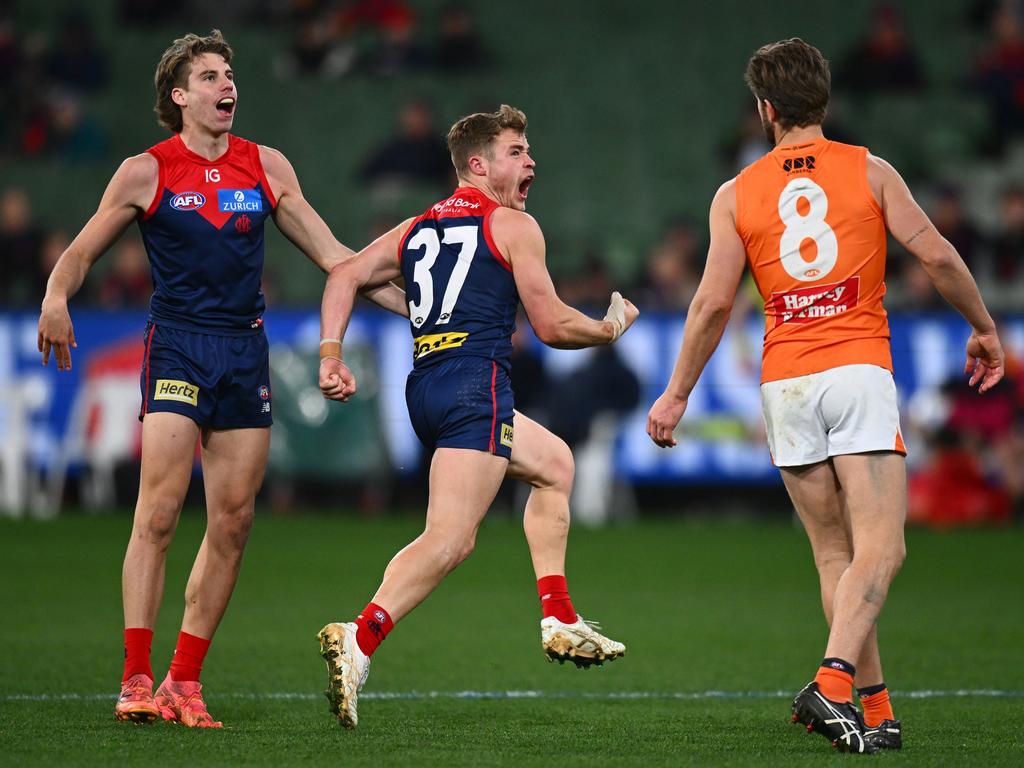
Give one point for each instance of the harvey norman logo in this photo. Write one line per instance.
(238, 200)
(180, 391)
(807, 304)
(456, 202)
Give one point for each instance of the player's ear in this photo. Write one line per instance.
(477, 165)
(769, 110)
(178, 96)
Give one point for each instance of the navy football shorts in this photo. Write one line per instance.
(220, 382)
(464, 402)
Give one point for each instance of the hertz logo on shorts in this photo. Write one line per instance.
(432, 342)
(506, 435)
(181, 391)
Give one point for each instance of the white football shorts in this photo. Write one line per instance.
(849, 409)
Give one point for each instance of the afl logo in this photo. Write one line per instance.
(812, 272)
(187, 201)
(379, 616)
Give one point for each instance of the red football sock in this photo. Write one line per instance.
(137, 642)
(188, 657)
(835, 684)
(373, 624)
(877, 708)
(554, 599)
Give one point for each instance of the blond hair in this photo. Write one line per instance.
(174, 69)
(473, 134)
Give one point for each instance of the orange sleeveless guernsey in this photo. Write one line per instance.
(815, 241)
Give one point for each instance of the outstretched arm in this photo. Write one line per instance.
(374, 265)
(706, 318)
(302, 225)
(915, 232)
(555, 322)
(130, 191)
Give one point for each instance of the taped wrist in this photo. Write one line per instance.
(330, 349)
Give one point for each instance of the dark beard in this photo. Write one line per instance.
(769, 131)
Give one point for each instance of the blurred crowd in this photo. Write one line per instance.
(48, 81)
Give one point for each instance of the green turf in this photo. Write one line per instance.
(726, 607)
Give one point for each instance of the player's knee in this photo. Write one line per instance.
(559, 469)
(233, 525)
(453, 550)
(159, 522)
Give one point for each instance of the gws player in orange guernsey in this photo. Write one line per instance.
(201, 199)
(467, 261)
(810, 218)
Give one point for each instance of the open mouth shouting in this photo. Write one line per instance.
(524, 187)
(226, 106)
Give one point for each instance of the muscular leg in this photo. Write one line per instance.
(821, 505)
(875, 490)
(233, 465)
(463, 483)
(168, 445)
(545, 462)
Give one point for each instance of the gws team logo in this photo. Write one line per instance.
(187, 201)
(239, 200)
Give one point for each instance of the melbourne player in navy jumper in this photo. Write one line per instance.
(467, 262)
(201, 199)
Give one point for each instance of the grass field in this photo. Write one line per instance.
(729, 608)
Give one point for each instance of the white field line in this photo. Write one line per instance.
(471, 695)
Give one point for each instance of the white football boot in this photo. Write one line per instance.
(347, 668)
(579, 642)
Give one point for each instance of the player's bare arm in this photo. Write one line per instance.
(556, 324)
(302, 225)
(914, 230)
(706, 318)
(374, 266)
(130, 191)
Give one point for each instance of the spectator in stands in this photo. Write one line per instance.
(459, 48)
(72, 135)
(397, 51)
(21, 242)
(672, 269)
(951, 220)
(584, 288)
(749, 143)
(76, 61)
(999, 75)
(128, 283)
(917, 292)
(884, 59)
(1008, 242)
(53, 245)
(417, 154)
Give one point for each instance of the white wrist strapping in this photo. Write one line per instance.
(616, 315)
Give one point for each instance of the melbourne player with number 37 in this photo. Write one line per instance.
(810, 218)
(467, 261)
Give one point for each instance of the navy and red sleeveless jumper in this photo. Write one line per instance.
(462, 310)
(206, 353)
